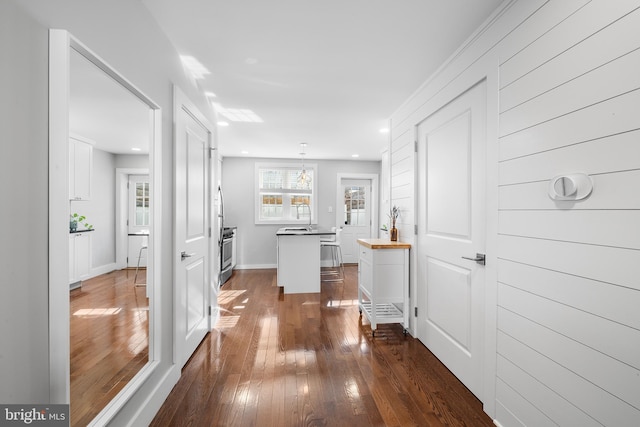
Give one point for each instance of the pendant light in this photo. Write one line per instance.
(303, 178)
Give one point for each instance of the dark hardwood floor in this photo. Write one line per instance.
(310, 360)
(109, 340)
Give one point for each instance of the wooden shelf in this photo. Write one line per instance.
(383, 244)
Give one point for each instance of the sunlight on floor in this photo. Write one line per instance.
(225, 297)
(342, 303)
(96, 312)
(226, 322)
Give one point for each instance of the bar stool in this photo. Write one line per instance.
(336, 255)
(144, 245)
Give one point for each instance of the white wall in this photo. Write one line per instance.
(132, 161)
(126, 36)
(24, 358)
(100, 210)
(238, 185)
(566, 292)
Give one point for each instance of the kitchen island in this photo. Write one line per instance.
(383, 282)
(298, 252)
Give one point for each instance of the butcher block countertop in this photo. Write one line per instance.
(383, 244)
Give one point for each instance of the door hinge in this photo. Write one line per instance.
(415, 311)
(127, 185)
(209, 310)
(415, 146)
(209, 231)
(211, 150)
(127, 223)
(415, 229)
(127, 260)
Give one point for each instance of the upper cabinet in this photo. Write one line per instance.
(80, 169)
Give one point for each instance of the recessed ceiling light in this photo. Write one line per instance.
(355, 155)
(223, 124)
(136, 149)
(210, 95)
(384, 130)
(244, 152)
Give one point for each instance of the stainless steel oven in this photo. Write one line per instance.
(226, 255)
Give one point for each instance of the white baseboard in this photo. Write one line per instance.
(104, 269)
(255, 266)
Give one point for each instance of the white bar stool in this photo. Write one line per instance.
(145, 245)
(336, 256)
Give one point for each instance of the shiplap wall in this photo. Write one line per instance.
(567, 332)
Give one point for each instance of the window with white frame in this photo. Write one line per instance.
(285, 193)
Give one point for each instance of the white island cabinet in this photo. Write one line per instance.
(299, 259)
(383, 282)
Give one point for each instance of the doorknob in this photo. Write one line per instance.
(184, 255)
(480, 259)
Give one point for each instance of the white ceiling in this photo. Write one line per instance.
(328, 73)
(104, 112)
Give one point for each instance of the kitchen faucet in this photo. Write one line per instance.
(298, 213)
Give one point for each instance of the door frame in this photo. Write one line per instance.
(122, 177)
(181, 100)
(474, 96)
(61, 42)
(374, 197)
(487, 71)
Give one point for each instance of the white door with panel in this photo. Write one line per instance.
(451, 227)
(138, 220)
(192, 227)
(356, 223)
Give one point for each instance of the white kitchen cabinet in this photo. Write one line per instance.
(80, 169)
(298, 257)
(383, 282)
(79, 258)
(299, 263)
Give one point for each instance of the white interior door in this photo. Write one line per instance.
(192, 227)
(138, 220)
(356, 218)
(451, 225)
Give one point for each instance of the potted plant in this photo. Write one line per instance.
(384, 229)
(393, 216)
(76, 218)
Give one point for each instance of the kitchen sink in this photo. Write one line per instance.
(296, 229)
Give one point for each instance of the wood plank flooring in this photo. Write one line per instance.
(310, 360)
(109, 340)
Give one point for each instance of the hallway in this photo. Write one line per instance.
(308, 359)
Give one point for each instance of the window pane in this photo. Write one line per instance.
(271, 206)
(354, 205)
(284, 193)
(141, 215)
(271, 179)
